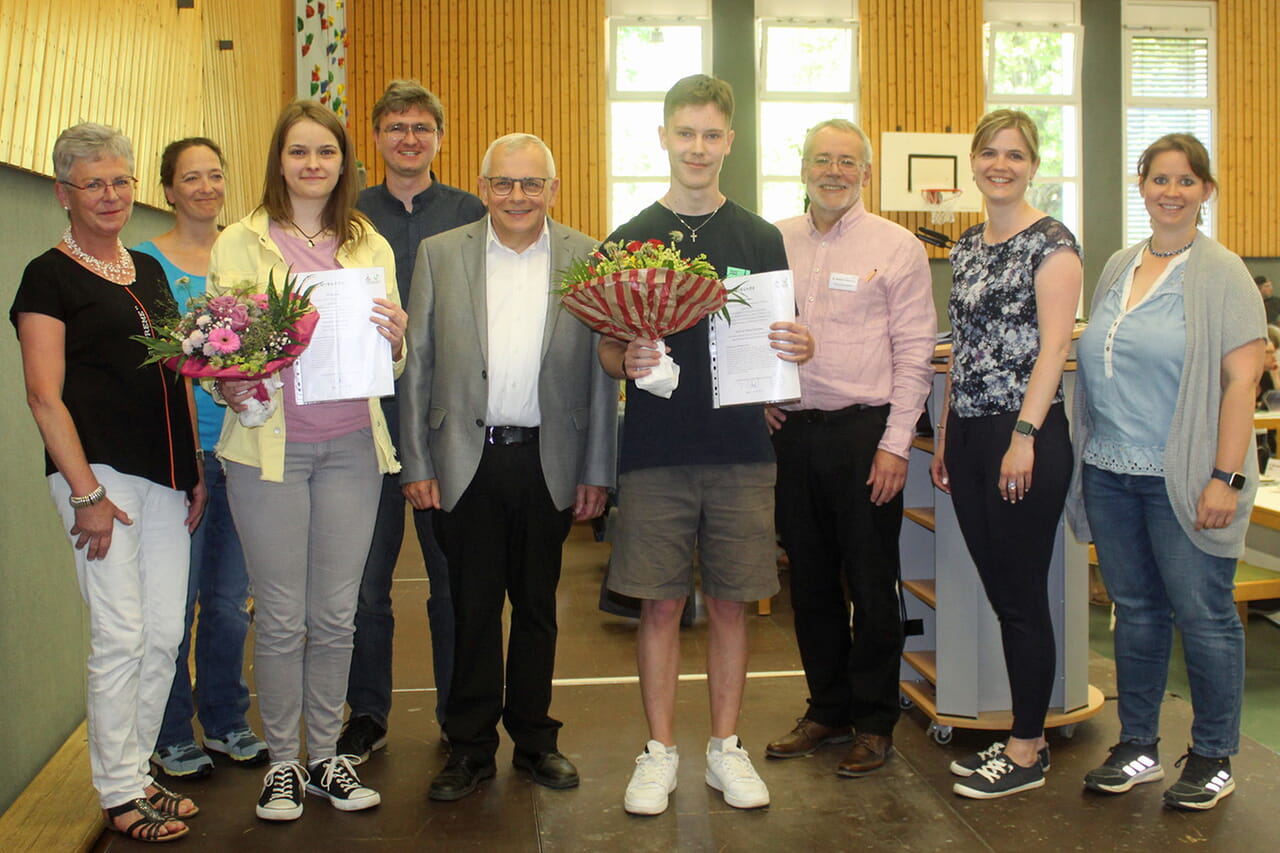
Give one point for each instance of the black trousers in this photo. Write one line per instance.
(1012, 545)
(503, 540)
(843, 549)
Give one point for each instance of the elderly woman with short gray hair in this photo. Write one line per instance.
(120, 459)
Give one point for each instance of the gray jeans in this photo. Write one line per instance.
(305, 541)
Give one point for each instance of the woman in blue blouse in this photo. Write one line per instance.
(1003, 430)
(191, 172)
(1164, 437)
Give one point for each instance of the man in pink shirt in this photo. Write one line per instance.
(864, 290)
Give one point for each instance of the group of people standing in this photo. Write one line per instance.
(508, 432)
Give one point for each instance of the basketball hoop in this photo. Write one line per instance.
(941, 203)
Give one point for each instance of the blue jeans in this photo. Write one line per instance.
(369, 685)
(1157, 578)
(219, 581)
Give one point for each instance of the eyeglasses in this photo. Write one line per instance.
(531, 187)
(845, 164)
(400, 131)
(122, 185)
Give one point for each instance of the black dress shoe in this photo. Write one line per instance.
(550, 769)
(460, 776)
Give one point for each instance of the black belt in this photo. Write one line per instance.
(509, 436)
(818, 416)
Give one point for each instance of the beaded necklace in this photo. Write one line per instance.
(120, 271)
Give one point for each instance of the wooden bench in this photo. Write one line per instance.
(59, 810)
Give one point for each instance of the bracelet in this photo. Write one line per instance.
(82, 501)
(940, 427)
(200, 454)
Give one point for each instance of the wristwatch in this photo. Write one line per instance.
(1026, 429)
(1234, 479)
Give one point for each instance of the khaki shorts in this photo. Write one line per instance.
(726, 510)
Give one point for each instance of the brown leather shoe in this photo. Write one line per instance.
(806, 737)
(869, 752)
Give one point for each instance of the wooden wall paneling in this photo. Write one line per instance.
(499, 67)
(1248, 104)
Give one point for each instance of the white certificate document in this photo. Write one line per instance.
(744, 367)
(347, 357)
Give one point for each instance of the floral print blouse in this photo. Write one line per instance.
(995, 336)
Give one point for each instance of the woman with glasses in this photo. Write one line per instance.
(304, 486)
(1166, 472)
(120, 458)
(191, 173)
(1002, 449)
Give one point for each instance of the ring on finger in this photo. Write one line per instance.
(1013, 485)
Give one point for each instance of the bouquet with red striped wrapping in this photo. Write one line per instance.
(642, 289)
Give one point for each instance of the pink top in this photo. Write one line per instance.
(865, 292)
(314, 422)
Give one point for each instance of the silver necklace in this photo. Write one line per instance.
(693, 232)
(1174, 253)
(310, 238)
(121, 268)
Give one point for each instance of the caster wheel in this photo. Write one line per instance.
(904, 702)
(1067, 732)
(941, 734)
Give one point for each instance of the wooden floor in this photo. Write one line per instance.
(906, 806)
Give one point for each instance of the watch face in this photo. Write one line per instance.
(1236, 481)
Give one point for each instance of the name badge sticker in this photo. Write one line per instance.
(733, 272)
(843, 281)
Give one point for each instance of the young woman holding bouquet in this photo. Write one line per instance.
(304, 486)
(191, 172)
(120, 457)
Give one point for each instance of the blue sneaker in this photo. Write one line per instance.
(240, 745)
(183, 760)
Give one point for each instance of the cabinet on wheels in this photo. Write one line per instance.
(954, 670)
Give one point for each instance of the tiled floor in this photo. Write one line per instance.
(906, 806)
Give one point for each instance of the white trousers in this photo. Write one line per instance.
(137, 599)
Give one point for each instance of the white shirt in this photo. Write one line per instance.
(517, 287)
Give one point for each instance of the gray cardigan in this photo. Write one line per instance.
(1223, 312)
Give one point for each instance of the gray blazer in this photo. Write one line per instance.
(445, 391)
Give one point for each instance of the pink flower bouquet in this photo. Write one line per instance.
(239, 335)
(644, 290)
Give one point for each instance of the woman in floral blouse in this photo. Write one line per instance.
(1004, 429)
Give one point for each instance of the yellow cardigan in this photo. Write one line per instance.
(245, 252)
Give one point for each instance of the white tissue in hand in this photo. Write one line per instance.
(662, 379)
(259, 411)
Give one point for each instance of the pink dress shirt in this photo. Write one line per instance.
(874, 336)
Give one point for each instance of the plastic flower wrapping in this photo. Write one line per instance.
(239, 335)
(644, 289)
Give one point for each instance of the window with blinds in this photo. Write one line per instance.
(1169, 88)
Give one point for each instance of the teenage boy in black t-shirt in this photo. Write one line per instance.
(690, 473)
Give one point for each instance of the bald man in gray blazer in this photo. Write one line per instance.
(509, 427)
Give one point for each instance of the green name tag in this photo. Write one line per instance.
(730, 272)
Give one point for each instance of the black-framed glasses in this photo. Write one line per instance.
(122, 185)
(400, 130)
(844, 164)
(531, 187)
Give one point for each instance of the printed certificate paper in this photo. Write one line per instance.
(744, 367)
(347, 358)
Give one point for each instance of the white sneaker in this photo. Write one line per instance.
(729, 770)
(653, 779)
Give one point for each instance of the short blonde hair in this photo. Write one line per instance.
(997, 120)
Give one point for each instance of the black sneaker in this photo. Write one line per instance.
(360, 737)
(1204, 781)
(1129, 764)
(969, 765)
(335, 778)
(282, 792)
(1000, 777)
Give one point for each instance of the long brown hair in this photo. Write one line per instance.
(340, 215)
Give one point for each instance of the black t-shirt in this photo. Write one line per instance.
(686, 429)
(130, 417)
